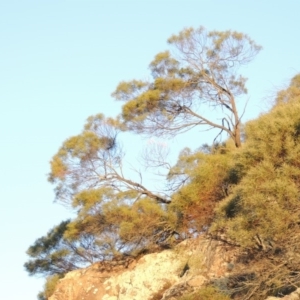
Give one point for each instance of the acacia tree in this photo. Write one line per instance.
(202, 71)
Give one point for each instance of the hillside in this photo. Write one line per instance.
(182, 273)
(250, 250)
(225, 224)
(165, 275)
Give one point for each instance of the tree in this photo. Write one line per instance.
(89, 176)
(121, 227)
(272, 179)
(261, 214)
(55, 254)
(118, 215)
(202, 71)
(93, 160)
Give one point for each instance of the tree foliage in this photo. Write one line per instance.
(247, 196)
(115, 215)
(203, 179)
(202, 71)
(262, 213)
(55, 254)
(268, 193)
(121, 227)
(49, 287)
(93, 160)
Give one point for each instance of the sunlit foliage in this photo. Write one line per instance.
(206, 178)
(49, 286)
(267, 199)
(262, 214)
(54, 254)
(200, 72)
(246, 196)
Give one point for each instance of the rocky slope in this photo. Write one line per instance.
(163, 275)
(157, 276)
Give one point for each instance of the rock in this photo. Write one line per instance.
(293, 296)
(153, 273)
(197, 281)
(154, 276)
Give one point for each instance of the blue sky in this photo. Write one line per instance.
(59, 63)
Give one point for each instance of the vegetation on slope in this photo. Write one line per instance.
(244, 190)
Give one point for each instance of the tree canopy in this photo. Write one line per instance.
(54, 254)
(93, 160)
(246, 196)
(200, 73)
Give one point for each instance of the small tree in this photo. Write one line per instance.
(201, 72)
(54, 254)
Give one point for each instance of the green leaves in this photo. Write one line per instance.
(204, 180)
(249, 194)
(201, 72)
(50, 254)
(66, 247)
(125, 90)
(49, 287)
(164, 65)
(86, 161)
(114, 214)
(268, 192)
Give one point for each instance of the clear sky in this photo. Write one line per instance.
(59, 62)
